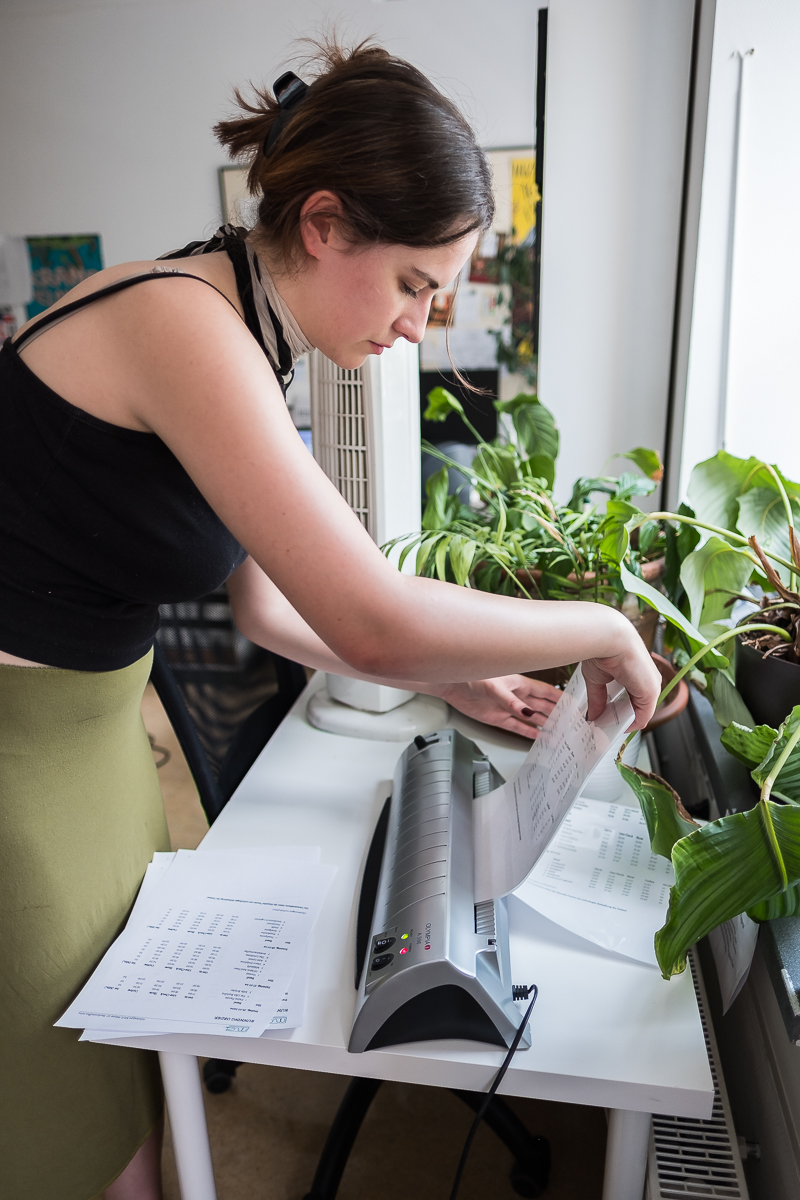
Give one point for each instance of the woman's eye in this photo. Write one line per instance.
(409, 291)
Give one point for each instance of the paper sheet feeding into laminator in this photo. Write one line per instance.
(514, 823)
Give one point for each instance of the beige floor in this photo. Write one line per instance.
(267, 1132)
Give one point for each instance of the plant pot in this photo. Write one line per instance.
(770, 687)
(675, 702)
(651, 573)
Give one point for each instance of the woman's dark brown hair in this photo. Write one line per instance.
(373, 130)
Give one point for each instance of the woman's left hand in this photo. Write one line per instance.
(512, 702)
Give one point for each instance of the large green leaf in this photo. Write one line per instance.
(667, 820)
(711, 576)
(462, 555)
(441, 508)
(762, 512)
(534, 424)
(499, 465)
(750, 746)
(616, 538)
(648, 461)
(629, 485)
(787, 784)
(440, 559)
(440, 404)
(726, 701)
(681, 540)
(715, 485)
(785, 904)
(726, 868)
(424, 550)
(539, 466)
(661, 604)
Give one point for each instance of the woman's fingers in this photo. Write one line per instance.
(635, 670)
(538, 695)
(509, 702)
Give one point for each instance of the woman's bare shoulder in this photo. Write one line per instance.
(215, 269)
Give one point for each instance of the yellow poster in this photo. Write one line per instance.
(524, 197)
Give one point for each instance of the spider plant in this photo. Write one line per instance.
(517, 539)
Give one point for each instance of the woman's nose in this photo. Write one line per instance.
(411, 325)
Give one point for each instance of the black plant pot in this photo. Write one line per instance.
(770, 687)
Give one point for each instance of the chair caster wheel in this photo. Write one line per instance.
(218, 1075)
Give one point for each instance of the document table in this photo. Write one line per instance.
(605, 1030)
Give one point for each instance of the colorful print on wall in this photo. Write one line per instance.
(58, 263)
(524, 198)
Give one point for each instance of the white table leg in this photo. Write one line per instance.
(187, 1122)
(626, 1154)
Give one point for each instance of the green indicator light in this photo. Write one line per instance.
(403, 938)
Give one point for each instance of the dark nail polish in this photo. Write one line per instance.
(527, 712)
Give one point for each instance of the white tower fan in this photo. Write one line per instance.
(366, 436)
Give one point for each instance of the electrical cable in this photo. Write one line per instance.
(523, 993)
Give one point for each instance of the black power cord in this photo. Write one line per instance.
(519, 993)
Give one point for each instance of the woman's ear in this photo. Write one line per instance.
(320, 219)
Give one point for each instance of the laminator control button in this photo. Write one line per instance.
(384, 943)
(380, 961)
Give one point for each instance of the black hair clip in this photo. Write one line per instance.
(289, 91)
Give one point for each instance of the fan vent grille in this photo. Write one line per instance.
(340, 432)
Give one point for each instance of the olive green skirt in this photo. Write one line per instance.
(80, 816)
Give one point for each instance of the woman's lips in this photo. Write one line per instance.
(378, 347)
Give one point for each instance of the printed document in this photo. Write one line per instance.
(213, 947)
(600, 879)
(514, 823)
(289, 1015)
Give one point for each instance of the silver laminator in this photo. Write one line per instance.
(430, 962)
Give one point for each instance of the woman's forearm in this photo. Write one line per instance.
(265, 616)
(516, 636)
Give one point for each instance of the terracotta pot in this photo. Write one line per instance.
(651, 572)
(646, 625)
(675, 702)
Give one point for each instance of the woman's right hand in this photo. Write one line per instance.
(634, 669)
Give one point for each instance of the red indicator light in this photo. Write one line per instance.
(404, 950)
(428, 946)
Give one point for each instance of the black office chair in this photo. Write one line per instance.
(224, 698)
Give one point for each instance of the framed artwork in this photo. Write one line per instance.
(491, 310)
(58, 263)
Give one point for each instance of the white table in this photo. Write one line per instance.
(605, 1031)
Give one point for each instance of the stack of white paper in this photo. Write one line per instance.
(216, 943)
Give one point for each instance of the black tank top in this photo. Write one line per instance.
(99, 525)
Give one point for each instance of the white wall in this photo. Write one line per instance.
(617, 88)
(107, 105)
(763, 395)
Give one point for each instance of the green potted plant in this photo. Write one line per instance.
(519, 540)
